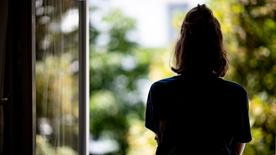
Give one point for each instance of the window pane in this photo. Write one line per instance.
(57, 74)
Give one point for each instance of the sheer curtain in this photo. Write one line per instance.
(57, 77)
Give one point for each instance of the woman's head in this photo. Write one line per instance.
(200, 48)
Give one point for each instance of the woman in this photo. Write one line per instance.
(197, 112)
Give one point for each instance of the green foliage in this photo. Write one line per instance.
(43, 147)
(256, 39)
(57, 104)
(250, 36)
(120, 26)
(116, 71)
(56, 87)
(263, 118)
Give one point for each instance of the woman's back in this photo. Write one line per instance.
(197, 113)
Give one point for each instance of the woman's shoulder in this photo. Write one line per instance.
(165, 82)
(232, 85)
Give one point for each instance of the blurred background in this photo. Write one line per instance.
(131, 45)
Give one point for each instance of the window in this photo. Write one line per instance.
(60, 76)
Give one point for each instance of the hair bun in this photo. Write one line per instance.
(205, 13)
(201, 6)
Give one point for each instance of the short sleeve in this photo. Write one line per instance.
(242, 129)
(151, 118)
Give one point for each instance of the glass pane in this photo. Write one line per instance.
(57, 74)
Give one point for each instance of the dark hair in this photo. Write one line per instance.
(200, 46)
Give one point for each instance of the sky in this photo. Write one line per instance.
(152, 18)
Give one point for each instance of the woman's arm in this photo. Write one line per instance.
(239, 148)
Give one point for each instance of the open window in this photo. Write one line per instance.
(44, 81)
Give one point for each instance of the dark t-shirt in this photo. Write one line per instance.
(197, 114)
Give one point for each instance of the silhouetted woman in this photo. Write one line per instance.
(197, 112)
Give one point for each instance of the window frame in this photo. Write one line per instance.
(83, 78)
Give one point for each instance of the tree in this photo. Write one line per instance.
(117, 70)
(250, 36)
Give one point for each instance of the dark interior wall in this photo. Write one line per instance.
(18, 84)
(3, 30)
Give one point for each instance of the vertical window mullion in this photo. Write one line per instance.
(83, 79)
